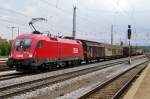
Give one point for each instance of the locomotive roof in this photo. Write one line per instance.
(28, 36)
(48, 38)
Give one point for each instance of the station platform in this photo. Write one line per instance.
(140, 89)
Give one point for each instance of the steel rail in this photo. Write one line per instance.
(11, 76)
(126, 85)
(26, 86)
(15, 75)
(107, 82)
(4, 67)
(21, 74)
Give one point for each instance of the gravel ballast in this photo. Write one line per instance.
(78, 84)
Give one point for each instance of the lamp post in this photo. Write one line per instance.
(18, 31)
(12, 30)
(74, 22)
(112, 27)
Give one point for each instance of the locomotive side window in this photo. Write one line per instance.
(39, 45)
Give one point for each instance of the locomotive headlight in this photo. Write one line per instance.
(10, 55)
(30, 55)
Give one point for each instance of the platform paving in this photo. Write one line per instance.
(140, 89)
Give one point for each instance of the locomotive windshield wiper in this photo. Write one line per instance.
(26, 47)
(22, 47)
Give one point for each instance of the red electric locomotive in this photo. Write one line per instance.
(36, 51)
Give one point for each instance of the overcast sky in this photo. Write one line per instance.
(94, 18)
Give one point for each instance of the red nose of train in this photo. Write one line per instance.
(22, 48)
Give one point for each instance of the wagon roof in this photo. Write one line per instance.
(112, 46)
(91, 43)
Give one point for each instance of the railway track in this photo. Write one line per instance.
(11, 76)
(15, 89)
(19, 74)
(3, 59)
(16, 74)
(2, 62)
(114, 87)
(3, 66)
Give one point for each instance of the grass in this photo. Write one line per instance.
(4, 56)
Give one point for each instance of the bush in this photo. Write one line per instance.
(5, 47)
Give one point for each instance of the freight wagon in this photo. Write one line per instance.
(92, 50)
(97, 51)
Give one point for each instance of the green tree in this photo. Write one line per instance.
(5, 48)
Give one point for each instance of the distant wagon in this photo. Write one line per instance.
(113, 51)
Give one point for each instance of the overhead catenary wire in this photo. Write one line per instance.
(11, 22)
(16, 12)
(70, 12)
(65, 11)
(85, 19)
(81, 17)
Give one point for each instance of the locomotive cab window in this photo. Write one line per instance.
(39, 45)
(23, 44)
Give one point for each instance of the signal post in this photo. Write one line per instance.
(129, 38)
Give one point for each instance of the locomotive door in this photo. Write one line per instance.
(59, 50)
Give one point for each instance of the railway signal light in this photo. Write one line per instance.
(129, 37)
(129, 31)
